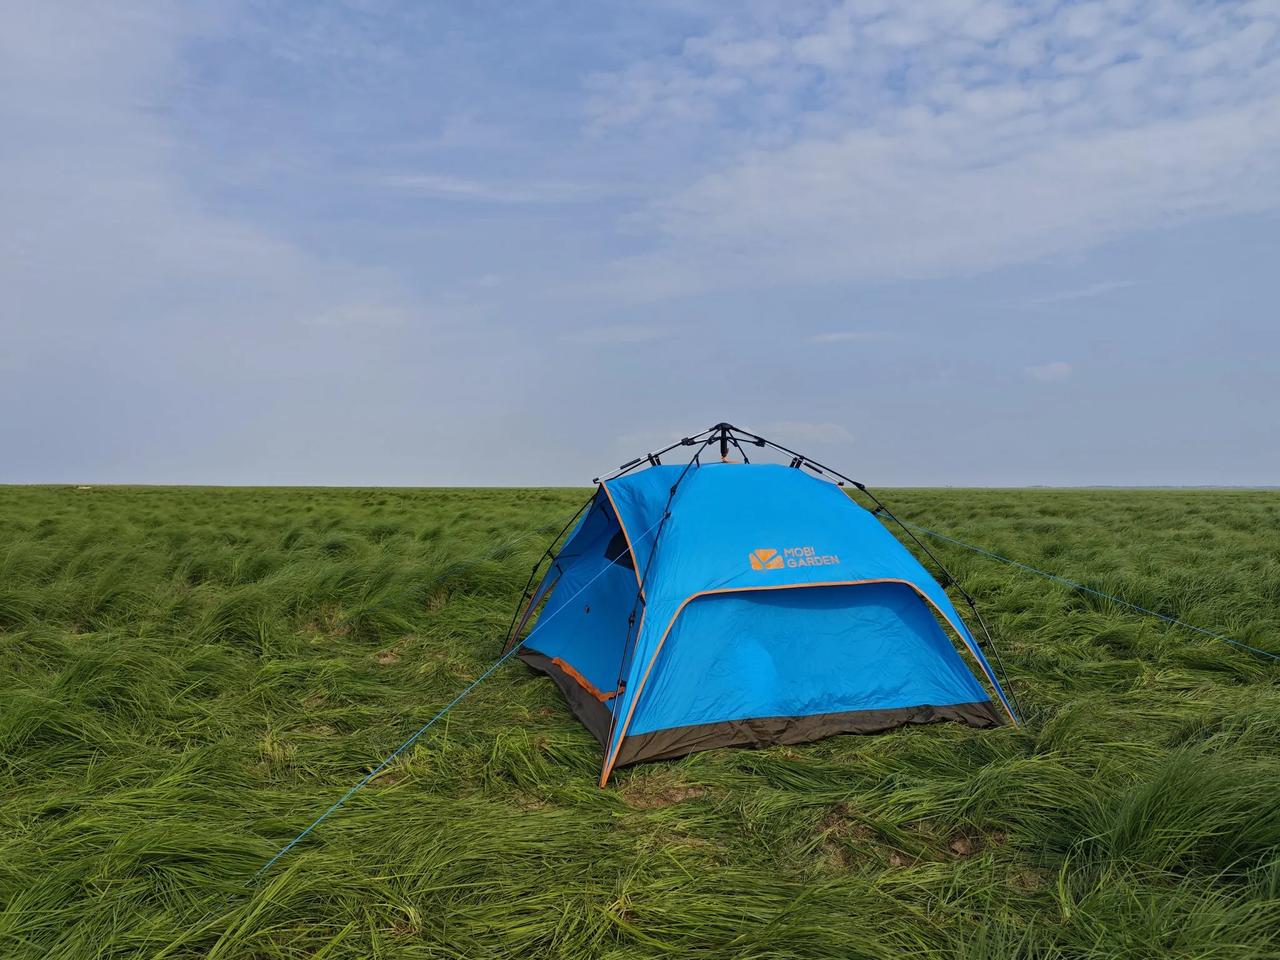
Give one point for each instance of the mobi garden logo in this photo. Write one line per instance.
(766, 558)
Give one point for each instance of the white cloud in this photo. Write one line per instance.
(944, 139)
(1053, 372)
(111, 233)
(447, 187)
(871, 204)
(1079, 293)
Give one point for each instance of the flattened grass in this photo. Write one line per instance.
(189, 676)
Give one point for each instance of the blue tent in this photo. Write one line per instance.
(740, 604)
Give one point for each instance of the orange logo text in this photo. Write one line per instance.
(766, 558)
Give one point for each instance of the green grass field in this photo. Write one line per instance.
(190, 676)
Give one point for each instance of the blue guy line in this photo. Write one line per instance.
(384, 764)
(1097, 593)
(423, 729)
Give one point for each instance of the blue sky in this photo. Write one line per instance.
(402, 243)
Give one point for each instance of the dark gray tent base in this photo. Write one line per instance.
(595, 716)
(757, 732)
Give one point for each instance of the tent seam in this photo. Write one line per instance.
(604, 777)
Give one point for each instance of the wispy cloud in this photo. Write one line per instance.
(360, 315)
(1053, 372)
(1079, 293)
(852, 143)
(465, 189)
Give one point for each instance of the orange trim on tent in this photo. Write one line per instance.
(608, 768)
(644, 607)
(635, 560)
(583, 682)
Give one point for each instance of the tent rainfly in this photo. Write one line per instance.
(728, 603)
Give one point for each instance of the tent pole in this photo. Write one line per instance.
(649, 458)
(632, 633)
(509, 637)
